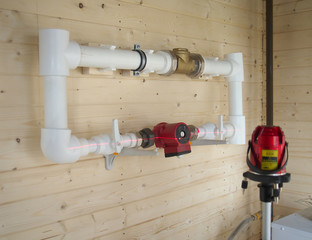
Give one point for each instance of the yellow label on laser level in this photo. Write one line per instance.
(269, 159)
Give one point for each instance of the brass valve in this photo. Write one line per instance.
(188, 63)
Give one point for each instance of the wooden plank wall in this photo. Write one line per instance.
(196, 197)
(293, 97)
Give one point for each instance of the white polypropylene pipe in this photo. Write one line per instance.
(55, 102)
(235, 98)
(213, 67)
(266, 220)
(229, 130)
(207, 131)
(100, 57)
(159, 62)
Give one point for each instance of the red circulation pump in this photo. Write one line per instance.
(174, 138)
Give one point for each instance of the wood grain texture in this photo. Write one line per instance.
(292, 98)
(196, 197)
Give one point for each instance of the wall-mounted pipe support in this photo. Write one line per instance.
(57, 55)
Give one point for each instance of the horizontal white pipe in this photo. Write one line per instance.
(130, 140)
(159, 62)
(213, 67)
(100, 57)
(208, 131)
(229, 130)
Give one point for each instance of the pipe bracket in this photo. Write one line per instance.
(143, 62)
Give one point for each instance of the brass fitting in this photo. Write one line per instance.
(194, 132)
(188, 63)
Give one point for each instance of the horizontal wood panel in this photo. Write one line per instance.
(282, 7)
(19, 59)
(17, 27)
(107, 91)
(293, 94)
(97, 224)
(70, 204)
(295, 40)
(292, 76)
(300, 183)
(141, 18)
(252, 7)
(210, 228)
(294, 112)
(19, 5)
(296, 130)
(122, 37)
(214, 10)
(202, 8)
(293, 58)
(298, 162)
(184, 230)
(295, 200)
(59, 179)
(294, 22)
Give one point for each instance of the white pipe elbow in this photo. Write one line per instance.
(237, 72)
(59, 146)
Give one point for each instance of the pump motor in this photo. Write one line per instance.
(174, 138)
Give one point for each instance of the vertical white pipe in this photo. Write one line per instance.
(235, 98)
(55, 102)
(266, 220)
(235, 79)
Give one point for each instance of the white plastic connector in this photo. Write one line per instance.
(207, 131)
(159, 62)
(60, 147)
(56, 54)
